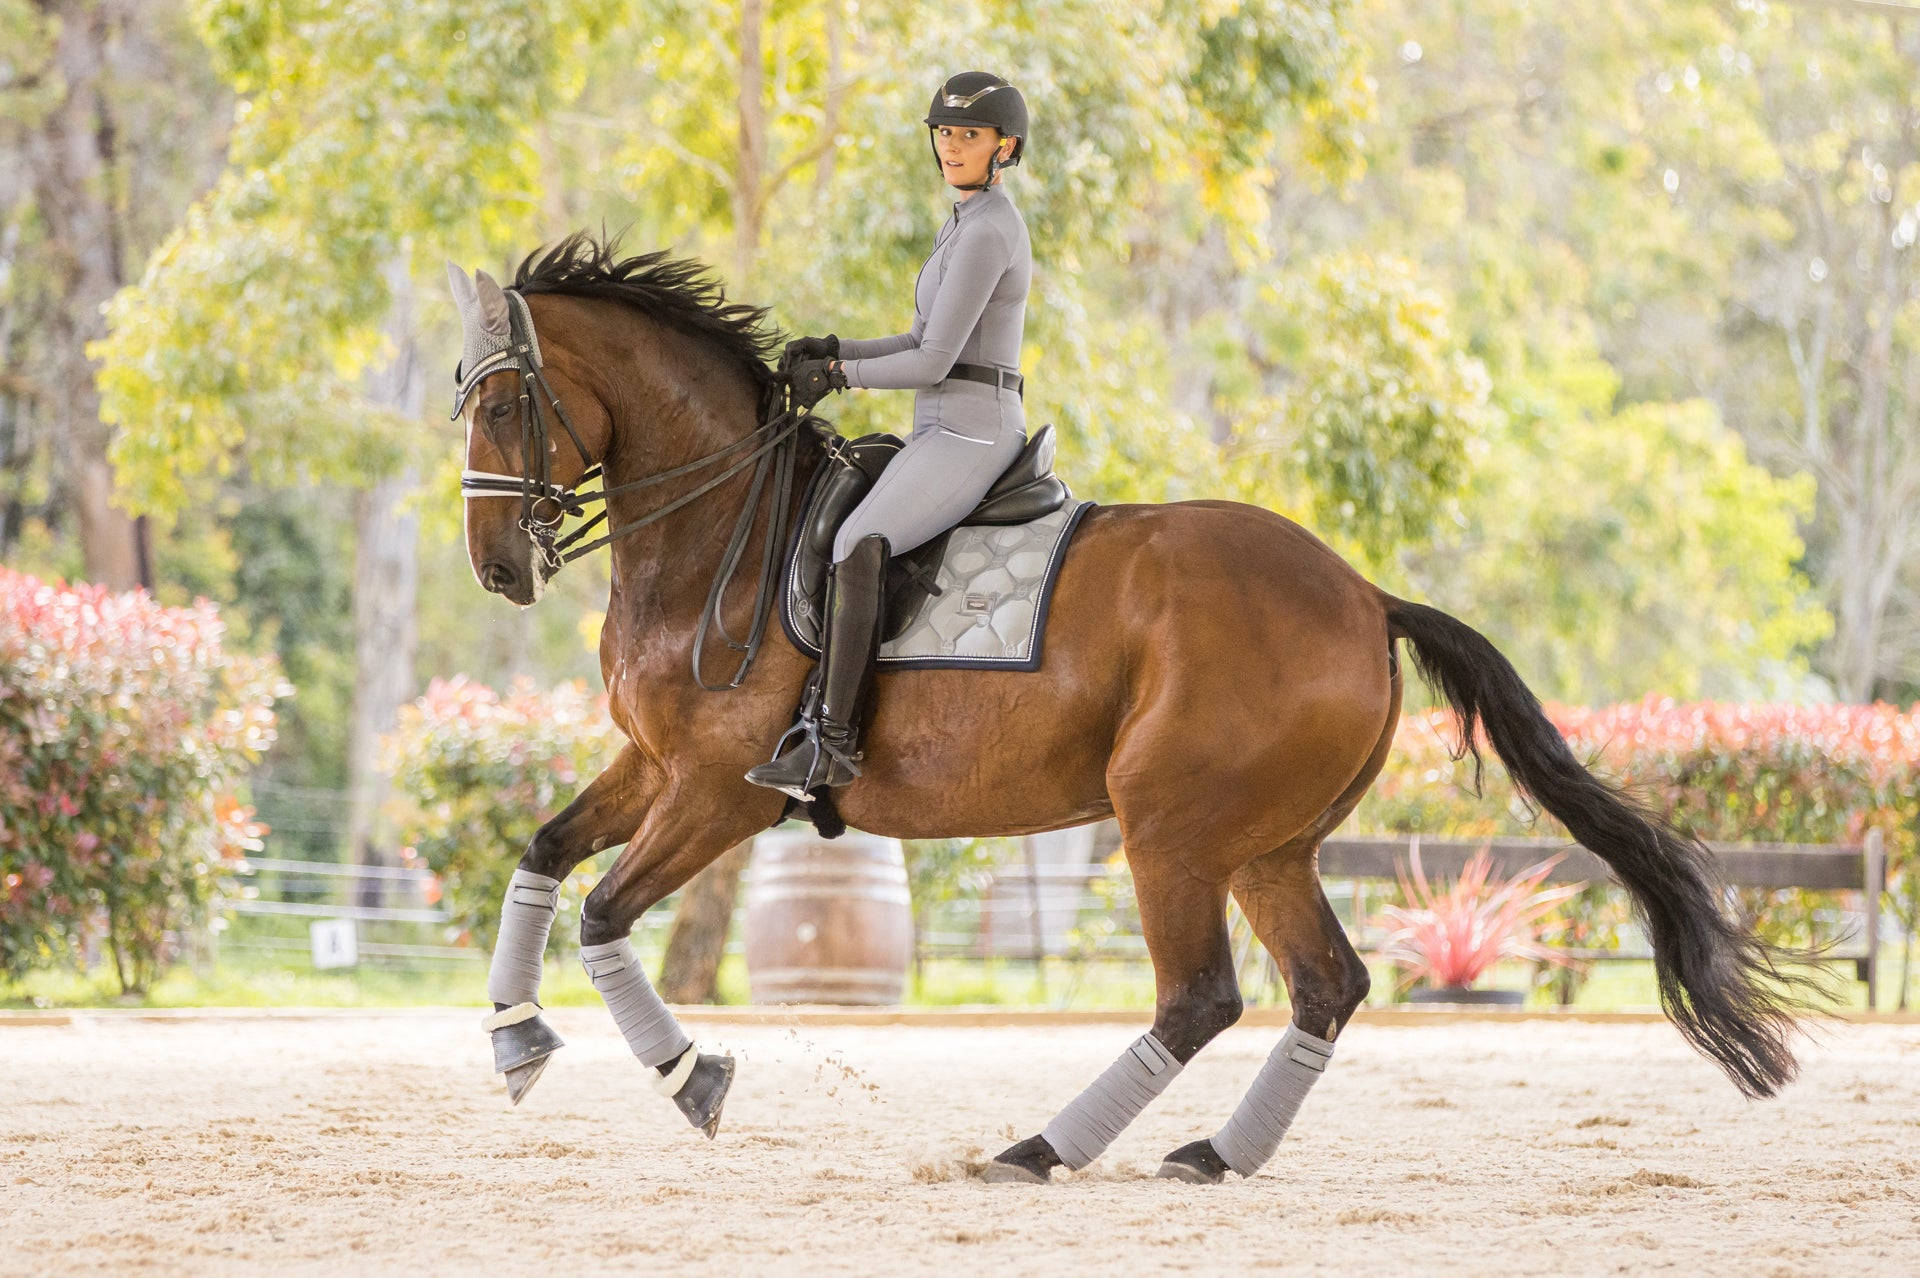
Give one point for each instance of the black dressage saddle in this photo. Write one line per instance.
(1026, 490)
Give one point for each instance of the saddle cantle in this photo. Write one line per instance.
(1027, 490)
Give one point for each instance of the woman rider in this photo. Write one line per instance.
(961, 357)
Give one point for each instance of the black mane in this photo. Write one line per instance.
(676, 291)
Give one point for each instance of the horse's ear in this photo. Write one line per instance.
(466, 300)
(462, 287)
(493, 304)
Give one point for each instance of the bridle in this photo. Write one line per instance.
(775, 443)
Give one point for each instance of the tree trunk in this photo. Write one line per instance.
(385, 587)
(691, 970)
(71, 157)
(750, 156)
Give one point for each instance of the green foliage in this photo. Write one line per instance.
(1377, 410)
(475, 774)
(1665, 560)
(942, 871)
(29, 85)
(124, 730)
(1258, 63)
(366, 135)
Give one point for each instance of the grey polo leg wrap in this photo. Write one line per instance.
(525, 919)
(649, 1027)
(1082, 1131)
(1266, 1111)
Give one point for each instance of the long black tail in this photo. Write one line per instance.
(1718, 981)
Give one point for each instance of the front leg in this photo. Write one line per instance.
(608, 811)
(686, 829)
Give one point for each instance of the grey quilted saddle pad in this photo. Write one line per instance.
(991, 611)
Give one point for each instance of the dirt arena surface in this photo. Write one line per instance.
(383, 1143)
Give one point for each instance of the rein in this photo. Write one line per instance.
(773, 456)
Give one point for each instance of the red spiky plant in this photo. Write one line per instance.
(1450, 934)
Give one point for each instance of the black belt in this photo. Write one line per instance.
(996, 377)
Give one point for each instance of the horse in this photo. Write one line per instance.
(1216, 678)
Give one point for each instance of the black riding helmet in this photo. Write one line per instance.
(980, 98)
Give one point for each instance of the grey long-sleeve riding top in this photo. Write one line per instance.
(969, 306)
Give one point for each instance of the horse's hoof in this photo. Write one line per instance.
(521, 1078)
(520, 1052)
(705, 1092)
(1031, 1162)
(1196, 1164)
(999, 1173)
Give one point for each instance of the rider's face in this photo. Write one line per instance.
(965, 148)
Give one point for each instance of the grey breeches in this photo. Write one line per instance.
(935, 482)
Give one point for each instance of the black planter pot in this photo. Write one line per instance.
(1460, 995)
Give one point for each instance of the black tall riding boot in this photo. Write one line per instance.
(827, 751)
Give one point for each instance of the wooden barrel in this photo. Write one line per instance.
(828, 921)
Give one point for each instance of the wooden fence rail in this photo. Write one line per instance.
(1860, 867)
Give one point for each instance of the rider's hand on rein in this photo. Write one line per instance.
(804, 348)
(812, 379)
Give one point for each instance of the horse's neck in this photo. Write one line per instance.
(663, 572)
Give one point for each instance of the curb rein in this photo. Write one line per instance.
(777, 439)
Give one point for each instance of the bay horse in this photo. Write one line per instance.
(1216, 678)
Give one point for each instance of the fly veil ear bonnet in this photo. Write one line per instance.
(487, 339)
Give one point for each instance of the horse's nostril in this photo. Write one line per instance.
(496, 577)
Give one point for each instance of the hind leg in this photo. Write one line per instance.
(1326, 982)
(1196, 996)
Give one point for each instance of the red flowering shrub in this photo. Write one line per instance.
(1725, 772)
(124, 728)
(475, 774)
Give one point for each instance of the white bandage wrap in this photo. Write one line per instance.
(525, 919)
(510, 1016)
(644, 1020)
(1266, 1111)
(1082, 1131)
(670, 1083)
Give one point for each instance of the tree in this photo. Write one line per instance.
(99, 147)
(1788, 141)
(1600, 525)
(277, 327)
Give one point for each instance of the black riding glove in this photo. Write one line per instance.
(800, 348)
(811, 379)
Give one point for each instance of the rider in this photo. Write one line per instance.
(961, 357)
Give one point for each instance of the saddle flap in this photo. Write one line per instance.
(1027, 490)
(841, 481)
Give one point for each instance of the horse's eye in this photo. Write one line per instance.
(498, 412)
